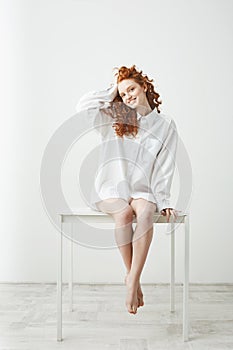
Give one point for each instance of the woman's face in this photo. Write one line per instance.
(132, 94)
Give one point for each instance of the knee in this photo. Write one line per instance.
(146, 217)
(124, 217)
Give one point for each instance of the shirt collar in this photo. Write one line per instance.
(147, 120)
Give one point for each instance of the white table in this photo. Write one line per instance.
(92, 216)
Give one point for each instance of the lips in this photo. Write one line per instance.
(132, 100)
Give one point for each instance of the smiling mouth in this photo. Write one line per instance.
(132, 100)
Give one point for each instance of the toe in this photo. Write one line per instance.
(131, 309)
(134, 308)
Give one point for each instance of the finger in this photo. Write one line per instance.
(168, 214)
(173, 213)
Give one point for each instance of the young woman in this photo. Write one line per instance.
(137, 163)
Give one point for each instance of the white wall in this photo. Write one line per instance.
(53, 52)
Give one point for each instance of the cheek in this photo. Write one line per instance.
(139, 93)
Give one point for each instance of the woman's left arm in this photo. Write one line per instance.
(163, 171)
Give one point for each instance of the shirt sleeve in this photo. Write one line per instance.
(164, 167)
(89, 108)
(97, 99)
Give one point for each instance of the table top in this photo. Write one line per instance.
(91, 212)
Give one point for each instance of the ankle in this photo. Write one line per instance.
(132, 278)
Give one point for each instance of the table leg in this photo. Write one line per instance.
(186, 283)
(59, 285)
(71, 271)
(172, 280)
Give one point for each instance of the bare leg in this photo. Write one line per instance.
(124, 235)
(123, 216)
(141, 243)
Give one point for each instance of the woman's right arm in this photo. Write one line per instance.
(97, 99)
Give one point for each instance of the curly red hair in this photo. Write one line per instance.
(125, 116)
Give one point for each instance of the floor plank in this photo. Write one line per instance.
(100, 319)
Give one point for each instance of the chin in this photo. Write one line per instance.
(133, 105)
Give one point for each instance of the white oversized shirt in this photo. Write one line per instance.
(140, 167)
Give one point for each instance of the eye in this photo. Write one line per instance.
(132, 88)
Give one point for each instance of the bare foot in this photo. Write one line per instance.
(140, 296)
(139, 293)
(131, 298)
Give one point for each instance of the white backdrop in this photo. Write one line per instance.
(55, 51)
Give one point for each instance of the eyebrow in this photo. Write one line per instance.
(127, 88)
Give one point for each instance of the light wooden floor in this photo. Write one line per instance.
(100, 320)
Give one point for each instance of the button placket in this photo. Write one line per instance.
(139, 141)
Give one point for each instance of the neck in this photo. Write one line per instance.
(142, 110)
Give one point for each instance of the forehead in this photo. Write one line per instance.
(124, 84)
